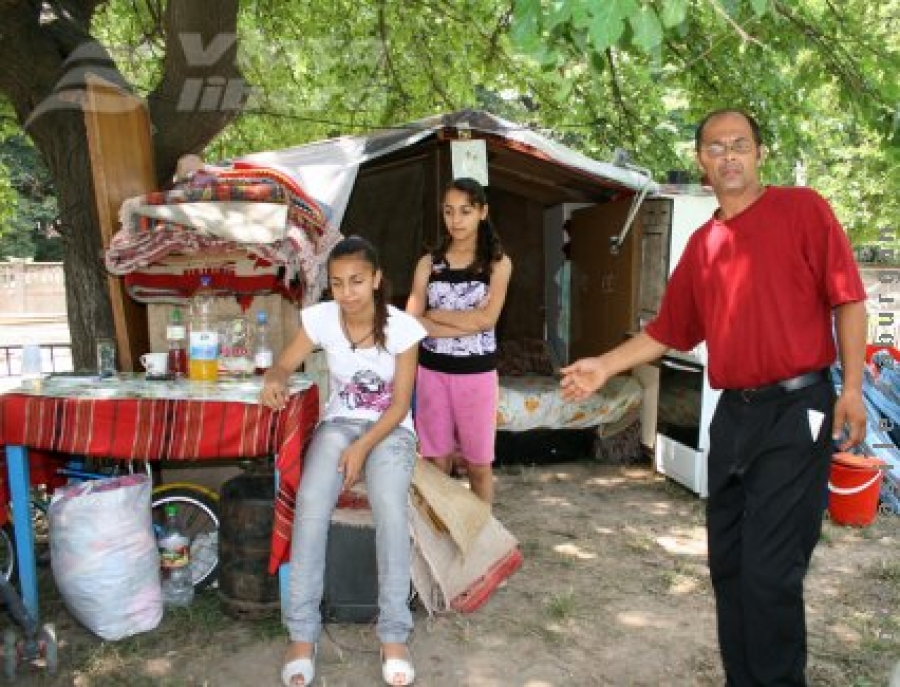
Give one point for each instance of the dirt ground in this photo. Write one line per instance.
(614, 591)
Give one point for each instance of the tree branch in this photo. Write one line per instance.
(503, 23)
(433, 80)
(687, 63)
(746, 37)
(153, 33)
(388, 61)
(617, 94)
(830, 50)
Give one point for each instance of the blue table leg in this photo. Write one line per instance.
(20, 491)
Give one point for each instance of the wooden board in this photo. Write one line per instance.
(121, 152)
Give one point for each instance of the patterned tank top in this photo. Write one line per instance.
(458, 289)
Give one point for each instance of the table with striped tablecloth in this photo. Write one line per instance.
(130, 418)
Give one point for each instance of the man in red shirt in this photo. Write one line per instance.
(762, 282)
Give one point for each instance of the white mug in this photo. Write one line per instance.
(156, 364)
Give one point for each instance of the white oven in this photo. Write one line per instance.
(684, 411)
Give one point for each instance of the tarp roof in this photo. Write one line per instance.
(327, 169)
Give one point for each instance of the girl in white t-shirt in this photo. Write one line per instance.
(371, 348)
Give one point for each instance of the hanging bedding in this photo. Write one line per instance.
(254, 229)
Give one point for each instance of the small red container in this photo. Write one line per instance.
(853, 494)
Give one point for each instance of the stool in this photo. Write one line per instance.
(351, 571)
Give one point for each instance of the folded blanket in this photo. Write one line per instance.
(235, 275)
(255, 215)
(237, 221)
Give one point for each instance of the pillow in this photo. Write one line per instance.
(524, 357)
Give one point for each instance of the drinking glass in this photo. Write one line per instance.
(106, 358)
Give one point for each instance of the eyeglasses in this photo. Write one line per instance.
(741, 146)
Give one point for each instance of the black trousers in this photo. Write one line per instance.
(768, 477)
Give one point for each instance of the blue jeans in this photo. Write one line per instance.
(388, 471)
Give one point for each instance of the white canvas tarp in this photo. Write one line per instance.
(327, 169)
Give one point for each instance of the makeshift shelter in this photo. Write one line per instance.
(387, 186)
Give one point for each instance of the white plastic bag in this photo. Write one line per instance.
(104, 556)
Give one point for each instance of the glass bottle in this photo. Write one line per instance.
(106, 358)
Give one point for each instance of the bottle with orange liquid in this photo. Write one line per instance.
(203, 364)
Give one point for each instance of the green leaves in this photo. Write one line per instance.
(760, 7)
(673, 13)
(525, 31)
(607, 23)
(598, 73)
(647, 29)
(621, 23)
(819, 76)
(27, 202)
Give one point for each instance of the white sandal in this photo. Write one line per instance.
(300, 667)
(397, 672)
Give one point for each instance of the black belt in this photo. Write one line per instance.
(785, 386)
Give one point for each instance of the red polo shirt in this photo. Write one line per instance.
(760, 289)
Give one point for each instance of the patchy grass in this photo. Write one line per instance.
(561, 606)
(884, 571)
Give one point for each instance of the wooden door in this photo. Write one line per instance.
(604, 289)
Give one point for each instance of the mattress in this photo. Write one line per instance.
(534, 402)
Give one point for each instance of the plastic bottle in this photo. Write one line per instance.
(235, 349)
(31, 364)
(204, 337)
(263, 357)
(176, 337)
(175, 561)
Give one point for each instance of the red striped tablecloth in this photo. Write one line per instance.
(129, 418)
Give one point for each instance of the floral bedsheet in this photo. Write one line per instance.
(534, 402)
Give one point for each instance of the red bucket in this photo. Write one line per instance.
(853, 494)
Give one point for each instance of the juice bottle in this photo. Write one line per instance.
(203, 365)
(176, 336)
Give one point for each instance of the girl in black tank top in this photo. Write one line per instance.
(458, 293)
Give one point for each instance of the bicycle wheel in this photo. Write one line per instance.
(7, 552)
(198, 517)
(40, 529)
(40, 525)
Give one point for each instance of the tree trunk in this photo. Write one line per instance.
(47, 49)
(202, 89)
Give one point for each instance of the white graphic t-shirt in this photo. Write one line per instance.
(362, 380)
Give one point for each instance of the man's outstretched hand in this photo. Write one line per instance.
(582, 378)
